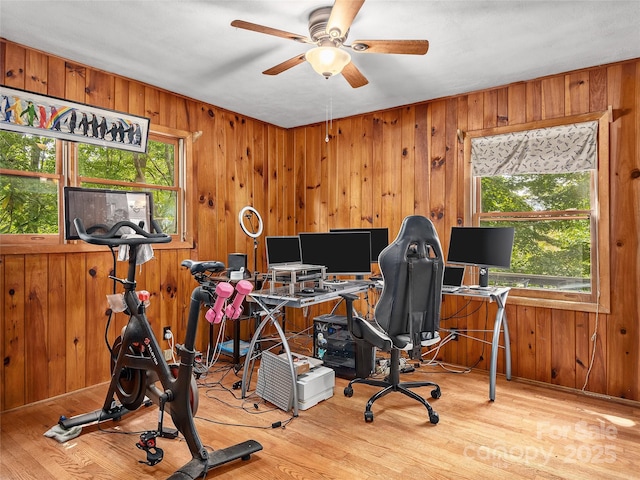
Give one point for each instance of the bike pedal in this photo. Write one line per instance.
(148, 444)
(169, 433)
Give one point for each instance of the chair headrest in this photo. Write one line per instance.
(417, 238)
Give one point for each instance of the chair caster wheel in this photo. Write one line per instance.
(348, 391)
(368, 417)
(434, 418)
(436, 393)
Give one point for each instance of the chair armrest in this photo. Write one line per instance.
(349, 298)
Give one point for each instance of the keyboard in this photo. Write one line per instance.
(313, 291)
(450, 288)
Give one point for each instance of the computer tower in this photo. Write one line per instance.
(275, 386)
(334, 345)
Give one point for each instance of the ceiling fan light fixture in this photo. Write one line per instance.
(328, 61)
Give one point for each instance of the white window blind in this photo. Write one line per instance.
(560, 149)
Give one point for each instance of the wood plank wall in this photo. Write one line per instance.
(53, 302)
(412, 158)
(376, 169)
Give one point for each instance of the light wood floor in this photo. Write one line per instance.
(530, 431)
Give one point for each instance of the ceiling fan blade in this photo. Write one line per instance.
(286, 65)
(352, 75)
(254, 27)
(342, 15)
(408, 47)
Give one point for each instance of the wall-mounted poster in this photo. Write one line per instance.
(31, 113)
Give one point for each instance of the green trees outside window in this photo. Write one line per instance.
(28, 184)
(33, 168)
(101, 167)
(551, 214)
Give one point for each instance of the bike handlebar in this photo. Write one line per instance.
(113, 239)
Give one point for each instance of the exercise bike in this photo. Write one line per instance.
(140, 374)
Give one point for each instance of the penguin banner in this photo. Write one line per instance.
(34, 114)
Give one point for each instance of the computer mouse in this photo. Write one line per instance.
(307, 290)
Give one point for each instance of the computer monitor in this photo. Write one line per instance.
(379, 239)
(100, 209)
(283, 250)
(342, 253)
(483, 247)
(453, 276)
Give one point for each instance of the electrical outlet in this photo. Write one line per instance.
(166, 333)
(454, 334)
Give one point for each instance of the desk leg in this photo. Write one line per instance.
(250, 360)
(507, 347)
(236, 343)
(495, 345)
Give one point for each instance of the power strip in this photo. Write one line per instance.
(382, 366)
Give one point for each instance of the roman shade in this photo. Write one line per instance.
(559, 149)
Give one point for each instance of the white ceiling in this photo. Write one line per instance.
(190, 48)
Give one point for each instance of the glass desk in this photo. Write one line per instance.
(498, 295)
(272, 300)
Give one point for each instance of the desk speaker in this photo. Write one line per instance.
(236, 261)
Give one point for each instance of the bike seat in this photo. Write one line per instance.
(202, 267)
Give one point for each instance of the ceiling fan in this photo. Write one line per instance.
(328, 30)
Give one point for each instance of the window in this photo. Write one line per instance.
(546, 181)
(155, 171)
(551, 214)
(29, 186)
(34, 169)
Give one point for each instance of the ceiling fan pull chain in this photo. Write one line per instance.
(330, 108)
(326, 116)
(328, 119)
(326, 124)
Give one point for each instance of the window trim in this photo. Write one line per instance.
(65, 172)
(600, 299)
(185, 215)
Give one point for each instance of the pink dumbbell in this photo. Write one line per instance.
(234, 310)
(223, 291)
